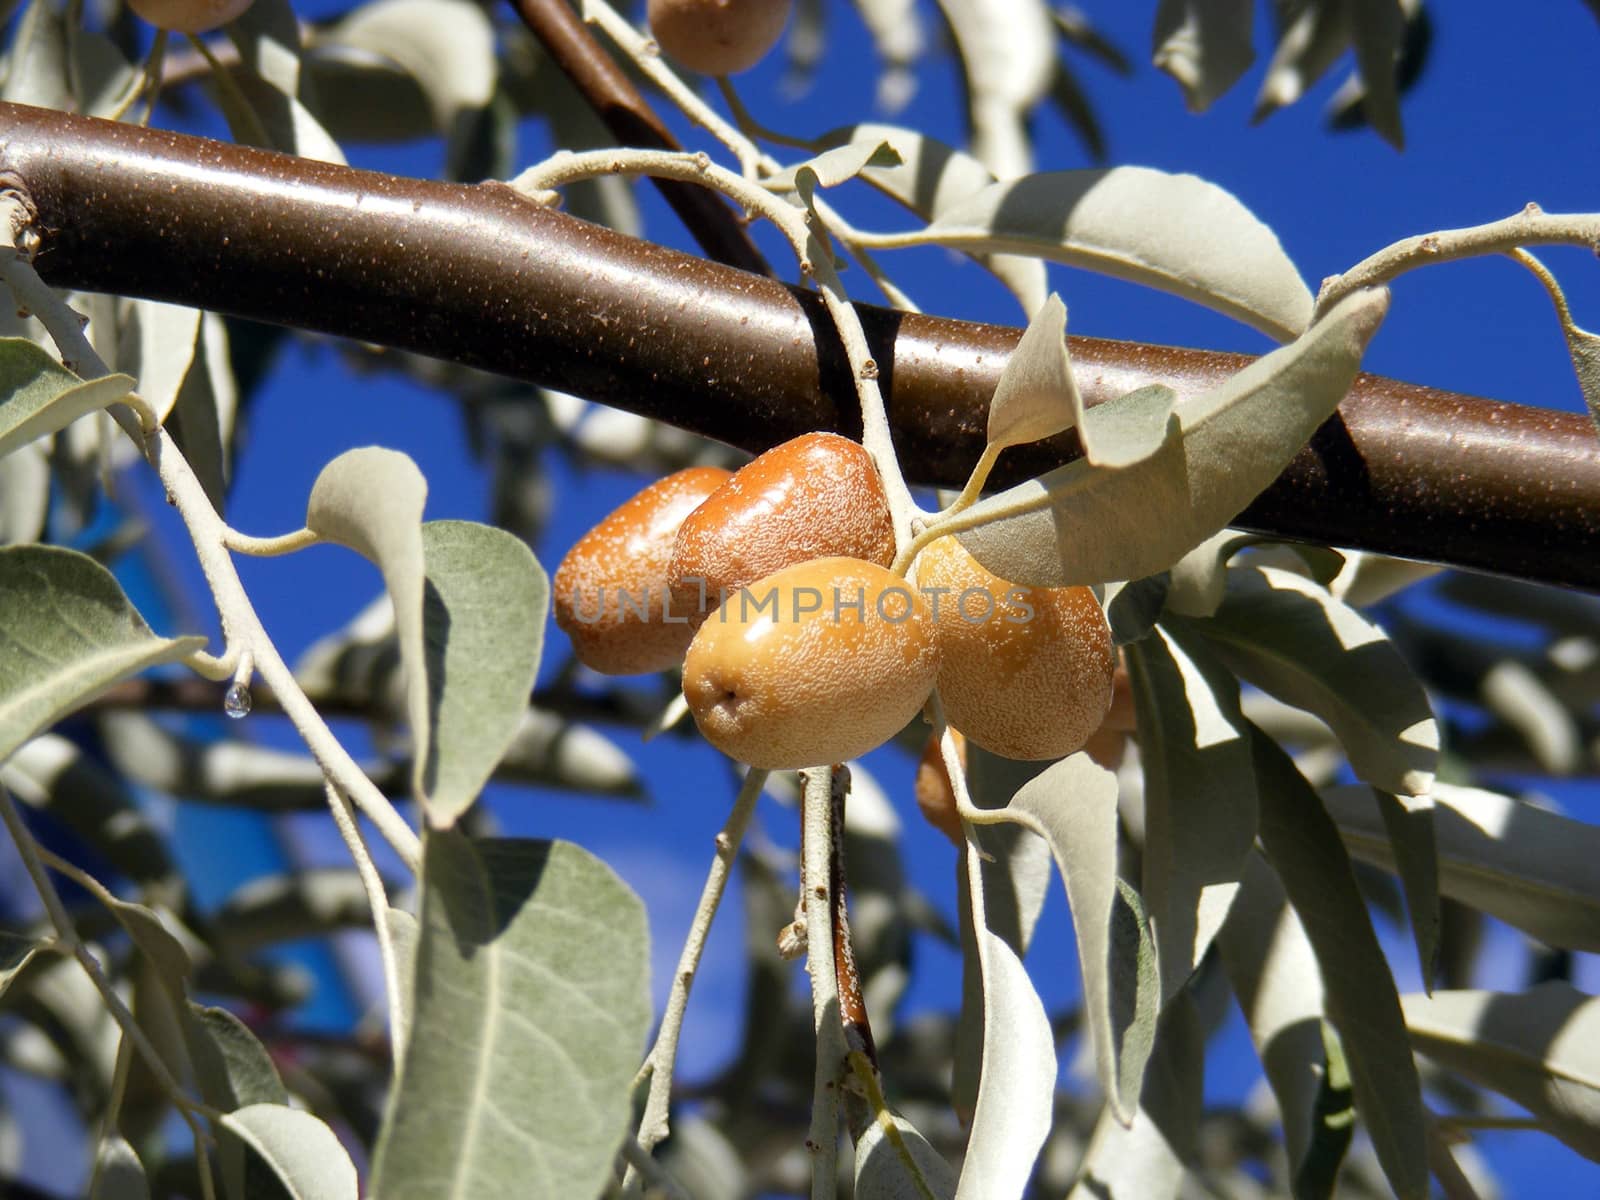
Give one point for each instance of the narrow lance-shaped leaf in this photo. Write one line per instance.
(1036, 396)
(371, 501)
(1199, 798)
(1073, 805)
(39, 396)
(233, 1069)
(531, 1008)
(1145, 1160)
(1176, 233)
(1292, 639)
(447, 46)
(1007, 49)
(1275, 975)
(895, 1162)
(15, 955)
(272, 85)
(66, 633)
(303, 1153)
(484, 609)
(1541, 1048)
(118, 1173)
(1410, 825)
(1205, 45)
(1303, 846)
(157, 348)
(1531, 868)
(1083, 524)
(1377, 28)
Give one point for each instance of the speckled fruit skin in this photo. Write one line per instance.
(628, 552)
(189, 16)
(1025, 689)
(777, 692)
(718, 37)
(815, 496)
(936, 797)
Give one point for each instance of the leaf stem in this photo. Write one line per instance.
(344, 817)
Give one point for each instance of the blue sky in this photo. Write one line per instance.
(1500, 117)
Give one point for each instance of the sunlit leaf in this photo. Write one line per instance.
(24, 494)
(1036, 396)
(833, 167)
(531, 1008)
(1145, 1160)
(233, 1069)
(1007, 50)
(119, 1175)
(1377, 29)
(371, 500)
(39, 396)
(1541, 1048)
(1082, 524)
(1205, 45)
(285, 907)
(1314, 37)
(447, 46)
(303, 1153)
(1073, 804)
(1177, 233)
(1292, 639)
(403, 934)
(897, 36)
(157, 348)
(1199, 798)
(1275, 975)
(1303, 846)
(895, 1162)
(483, 626)
(1409, 823)
(272, 86)
(1529, 867)
(66, 633)
(558, 753)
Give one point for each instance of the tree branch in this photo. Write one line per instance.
(479, 275)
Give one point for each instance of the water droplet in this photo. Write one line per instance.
(236, 702)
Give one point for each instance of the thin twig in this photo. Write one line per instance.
(816, 849)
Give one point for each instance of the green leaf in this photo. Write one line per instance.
(531, 1009)
(202, 418)
(118, 1173)
(66, 633)
(447, 46)
(1377, 28)
(1036, 396)
(1176, 233)
(1205, 45)
(1531, 868)
(1309, 43)
(1409, 823)
(1292, 639)
(15, 955)
(157, 347)
(404, 934)
(1541, 1048)
(39, 396)
(1007, 50)
(930, 178)
(232, 1070)
(303, 1153)
(1073, 805)
(1275, 975)
(273, 87)
(371, 501)
(1199, 798)
(483, 627)
(1083, 524)
(1303, 846)
(895, 1162)
(1146, 1160)
(833, 167)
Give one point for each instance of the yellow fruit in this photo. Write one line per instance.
(189, 16)
(718, 37)
(1026, 671)
(814, 665)
(936, 797)
(610, 592)
(814, 496)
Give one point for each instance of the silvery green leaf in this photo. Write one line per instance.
(1410, 825)
(118, 1173)
(483, 610)
(549, 750)
(37, 71)
(1302, 843)
(1540, 1048)
(371, 501)
(39, 396)
(1145, 1160)
(1082, 524)
(201, 422)
(1377, 28)
(1585, 350)
(105, 77)
(161, 941)
(1199, 797)
(833, 167)
(272, 85)
(897, 36)
(24, 494)
(447, 46)
(1275, 975)
(931, 178)
(16, 953)
(1016, 1091)
(1530, 867)
(1176, 233)
(403, 933)
(303, 1153)
(1198, 581)
(1367, 577)
(1514, 693)
(1007, 50)
(1036, 396)
(157, 346)
(531, 1009)
(232, 1069)
(1073, 805)
(66, 633)
(1293, 640)
(1315, 35)
(1203, 44)
(895, 1162)
(306, 903)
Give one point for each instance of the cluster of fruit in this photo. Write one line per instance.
(799, 646)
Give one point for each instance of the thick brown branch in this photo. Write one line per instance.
(481, 276)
